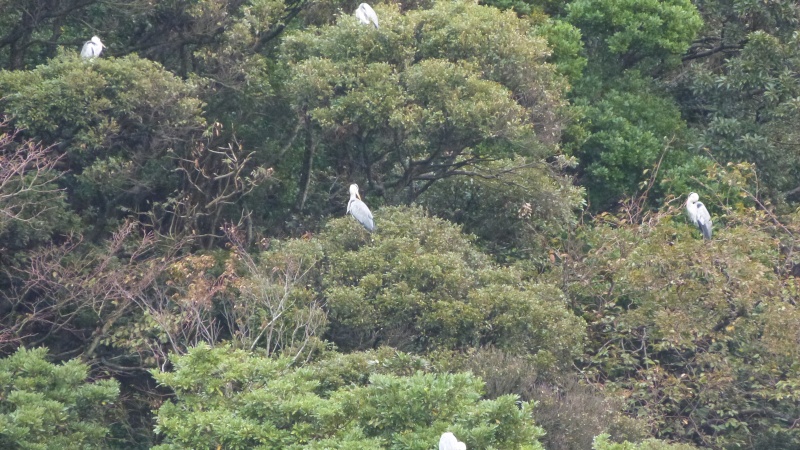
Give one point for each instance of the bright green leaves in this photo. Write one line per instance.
(631, 126)
(230, 398)
(567, 47)
(48, 406)
(629, 119)
(456, 95)
(398, 408)
(237, 400)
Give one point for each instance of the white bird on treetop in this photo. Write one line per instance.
(698, 214)
(359, 210)
(448, 441)
(92, 48)
(365, 14)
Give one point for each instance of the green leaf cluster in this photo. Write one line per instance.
(51, 406)
(233, 399)
(684, 329)
(119, 123)
(420, 284)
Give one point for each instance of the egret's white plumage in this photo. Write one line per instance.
(698, 214)
(92, 48)
(359, 210)
(448, 441)
(365, 14)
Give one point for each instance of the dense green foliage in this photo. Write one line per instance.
(173, 229)
(699, 344)
(49, 406)
(422, 285)
(227, 398)
(118, 124)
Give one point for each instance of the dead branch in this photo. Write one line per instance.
(27, 176)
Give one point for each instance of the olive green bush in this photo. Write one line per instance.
(420, 284)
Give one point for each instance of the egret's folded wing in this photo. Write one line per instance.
(361, 212)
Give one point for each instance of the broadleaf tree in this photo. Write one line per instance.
(434, 93)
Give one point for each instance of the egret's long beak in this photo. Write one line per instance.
(358, 196)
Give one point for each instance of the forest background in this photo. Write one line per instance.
(177, 270)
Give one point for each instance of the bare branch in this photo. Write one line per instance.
(27, 176)
(268, 308)
(213, 179)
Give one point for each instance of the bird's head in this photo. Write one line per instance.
(693, 198)
(354, 191)
(97, 41)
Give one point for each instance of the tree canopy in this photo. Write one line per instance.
(177, 268)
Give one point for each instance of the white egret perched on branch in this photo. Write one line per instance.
(359, 210)
(448, 441)
(92, 48)
(365, 14)
(698, 214)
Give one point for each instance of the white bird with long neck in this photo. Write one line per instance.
(359, 210)
(365, 14)
(698, 214)
(448, 441)
(92, 48)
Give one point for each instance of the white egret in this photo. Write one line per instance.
(698, 214)
(448, 441)
(92, 48)
(359, 210)
(365, 14)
